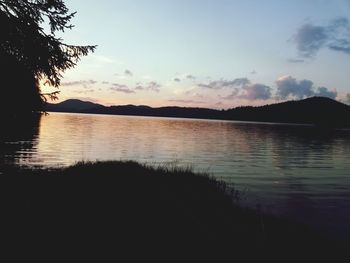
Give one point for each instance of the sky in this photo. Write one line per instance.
(209, 53)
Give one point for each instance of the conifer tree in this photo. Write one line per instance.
(31, 51)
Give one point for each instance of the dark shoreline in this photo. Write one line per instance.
(321, 112)
(125, 206)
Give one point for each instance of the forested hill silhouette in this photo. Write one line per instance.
(73, 105)
(316, 110)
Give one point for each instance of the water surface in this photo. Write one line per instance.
(289, 170)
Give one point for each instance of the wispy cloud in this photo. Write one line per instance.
(84, 91)
(153, 86)
(335, 36)
(84, 83)
(150, 86)
(186, 101)
(139, 87)
(177, 79)
(241, 82)
(220, 84)
(191, 77)
(121, 88)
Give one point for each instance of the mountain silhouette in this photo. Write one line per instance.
(72, 105)
(316, 110)
(319, 111)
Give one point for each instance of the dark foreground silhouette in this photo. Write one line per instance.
(114, 210)
(30, 55)
(319, 111)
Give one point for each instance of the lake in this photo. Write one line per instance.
(294, 171)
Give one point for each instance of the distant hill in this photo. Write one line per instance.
(316, 110)
(72, 105)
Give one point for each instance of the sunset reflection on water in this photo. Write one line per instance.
(294, 171)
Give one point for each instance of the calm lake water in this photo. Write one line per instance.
(294, 171)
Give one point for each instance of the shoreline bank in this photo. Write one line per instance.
(122, 206)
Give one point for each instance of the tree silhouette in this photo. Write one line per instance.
(29, 53)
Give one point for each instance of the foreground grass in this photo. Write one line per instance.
(109, 209)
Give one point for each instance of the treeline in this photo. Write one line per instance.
(317, 110)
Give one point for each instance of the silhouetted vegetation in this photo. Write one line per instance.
(30, 54)
(319, 111)
(114, 209)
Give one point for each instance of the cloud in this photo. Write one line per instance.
(256, 92)
(177, 79)
(128, 73)
(220, 84)
(241, 82)
(334, 36)
(251, 92)
(289, 87)
(194, 93)
(186, 101)
(209, 86)
(347, 100)
(343, 47)
(324, 92)
(139, 87)
(105, 82)
(121, 88)
(117, 85)
(124, 90)
(150, 86)
(84, 83)
(242, 88)
(85, 91)
(72, 83)
(153, 86)
(189, 76)
(253, 72)
(340, 35)
(310, 39)
(233, 95)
